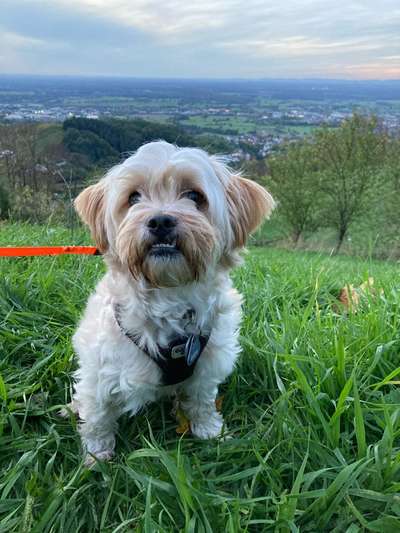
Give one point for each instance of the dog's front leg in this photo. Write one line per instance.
(199, 407)
(98, 426)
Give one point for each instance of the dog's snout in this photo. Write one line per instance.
(161, 225)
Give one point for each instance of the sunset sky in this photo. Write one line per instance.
(202, 39)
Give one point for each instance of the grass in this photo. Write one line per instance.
(367, 237)
(313, 408)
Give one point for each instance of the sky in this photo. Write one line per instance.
(357, 39)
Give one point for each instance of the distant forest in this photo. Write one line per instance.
(103, 142)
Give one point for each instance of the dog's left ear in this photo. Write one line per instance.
(249, 204)
(90, 206)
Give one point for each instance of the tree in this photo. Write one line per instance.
(392, 167)
(22, 162)
(387, 215)
(350, 158)
(4, 203)
(294, 182)
(213, 144)
(89, 144)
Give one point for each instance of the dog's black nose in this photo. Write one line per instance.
(161, 225)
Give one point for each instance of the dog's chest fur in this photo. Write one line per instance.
(158, 315)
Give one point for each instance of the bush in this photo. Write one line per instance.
(37, 206)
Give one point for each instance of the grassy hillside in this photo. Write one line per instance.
(312, 409)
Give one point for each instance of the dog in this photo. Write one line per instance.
(164, 320)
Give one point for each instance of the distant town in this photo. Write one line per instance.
(255, 117)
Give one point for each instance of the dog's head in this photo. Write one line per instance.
(169, 214)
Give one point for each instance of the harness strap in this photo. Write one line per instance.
(177, 360)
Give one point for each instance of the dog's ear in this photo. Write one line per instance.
(249, 204)
(90, 206)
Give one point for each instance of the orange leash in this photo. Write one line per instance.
(24, 251)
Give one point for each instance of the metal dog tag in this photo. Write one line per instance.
(192, 349)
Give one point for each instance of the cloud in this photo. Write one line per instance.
(14, 47)
(297, 46)
(219, 38)
(164, 19)
(15, 40)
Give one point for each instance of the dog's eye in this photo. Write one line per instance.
(134, 198)
(195, 196)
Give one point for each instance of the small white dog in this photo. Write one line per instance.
(164, 319)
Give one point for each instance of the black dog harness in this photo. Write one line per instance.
(178, 359)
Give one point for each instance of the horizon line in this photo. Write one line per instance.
(183, 78)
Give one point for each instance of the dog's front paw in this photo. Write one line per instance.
(98, 449)
(208, 429)
(105, 455)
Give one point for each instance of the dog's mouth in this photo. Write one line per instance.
(166, 248)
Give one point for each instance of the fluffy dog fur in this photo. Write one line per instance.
(214, 210)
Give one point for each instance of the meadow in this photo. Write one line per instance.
(312, 410)
(250, 124)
